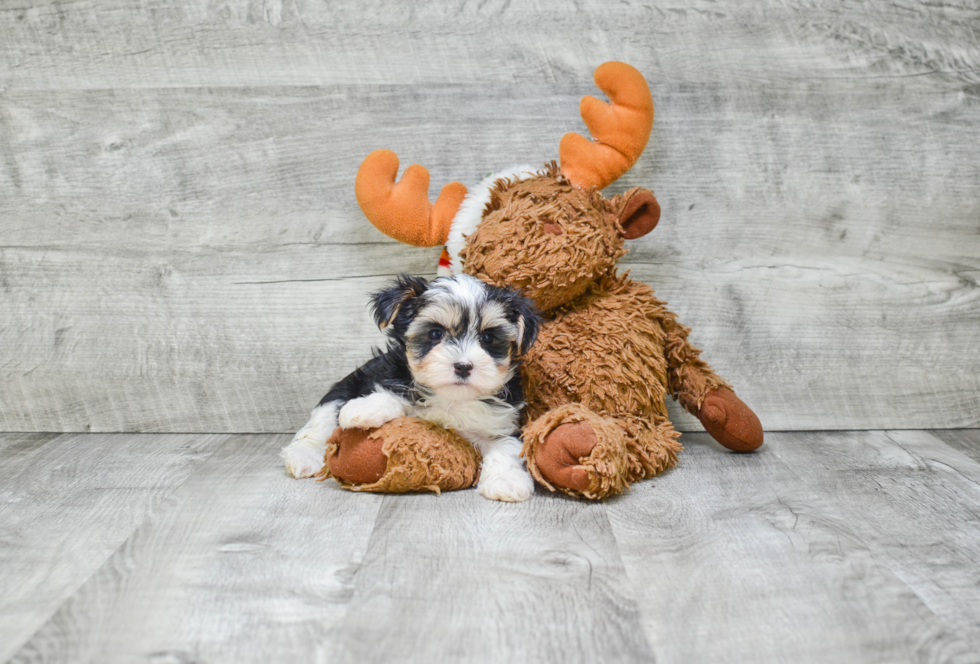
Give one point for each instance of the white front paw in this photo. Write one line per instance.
(370, 411)
(302, 460)
(511, 485)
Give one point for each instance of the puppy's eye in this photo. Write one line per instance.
(436, 335)
(486, 338)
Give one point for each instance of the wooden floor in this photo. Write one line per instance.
(822, 547)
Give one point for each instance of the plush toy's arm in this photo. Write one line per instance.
(689, 378)
(705, 394)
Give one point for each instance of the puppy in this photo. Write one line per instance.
(453, 356)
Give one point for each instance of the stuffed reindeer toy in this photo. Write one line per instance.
(608, 351)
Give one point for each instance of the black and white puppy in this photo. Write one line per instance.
(454, 345)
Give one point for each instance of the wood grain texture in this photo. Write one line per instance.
(181, 43)
(821, 547)
(965, 441)
(918, 503)
(14, 447)
(241, 564)
(461, 578)
(180, 248)
(67, 503)
(740, 559)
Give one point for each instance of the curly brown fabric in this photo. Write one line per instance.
(689, 378)
(609, 352)
(651, 446)
(627, 449)
(605, 351)
(422, 456)
(607, 463)
(545, 238)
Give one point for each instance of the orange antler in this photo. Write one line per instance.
(402, 210)
(620, 130)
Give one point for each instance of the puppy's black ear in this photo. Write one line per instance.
(528, 322)
(386, 303)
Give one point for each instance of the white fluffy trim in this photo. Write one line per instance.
(470, 213)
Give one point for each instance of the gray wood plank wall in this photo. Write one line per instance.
(180, 248)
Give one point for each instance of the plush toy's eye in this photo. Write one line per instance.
(436, 334)
(486, 338)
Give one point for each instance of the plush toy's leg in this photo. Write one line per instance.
(354, 458)
(403, 455)
(730, 421)
(706, 395)
(578, 452)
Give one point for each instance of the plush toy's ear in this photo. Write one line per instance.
(639, 213)
(388, 302)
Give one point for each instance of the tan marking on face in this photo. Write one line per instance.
(441, 313)
(494, 314)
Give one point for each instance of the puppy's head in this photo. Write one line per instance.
(460, 335)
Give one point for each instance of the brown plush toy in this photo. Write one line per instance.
(608, 353)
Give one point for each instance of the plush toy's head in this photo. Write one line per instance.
(547, 232)
(550, 240)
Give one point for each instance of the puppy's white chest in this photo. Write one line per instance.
(477, 421)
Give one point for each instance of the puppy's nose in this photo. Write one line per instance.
(463, 369)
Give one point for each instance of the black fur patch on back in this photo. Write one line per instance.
(388, 370)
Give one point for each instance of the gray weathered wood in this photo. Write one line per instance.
(740, 559)
(14, 447)
(67, 503)
(458, 577)
(241, 564)
(966, 441)
(822, 547)
(917, 501)
(181, 43)
(169, 333)
(178, 230)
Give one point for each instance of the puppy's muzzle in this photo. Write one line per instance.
(463, 369)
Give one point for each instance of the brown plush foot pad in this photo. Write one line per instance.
(730, 421)
(357, 458)
(560, 453)
(401, 456)
(575, 451)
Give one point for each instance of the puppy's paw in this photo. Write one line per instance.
(370, 411)
(302, 460)
(511, 485)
